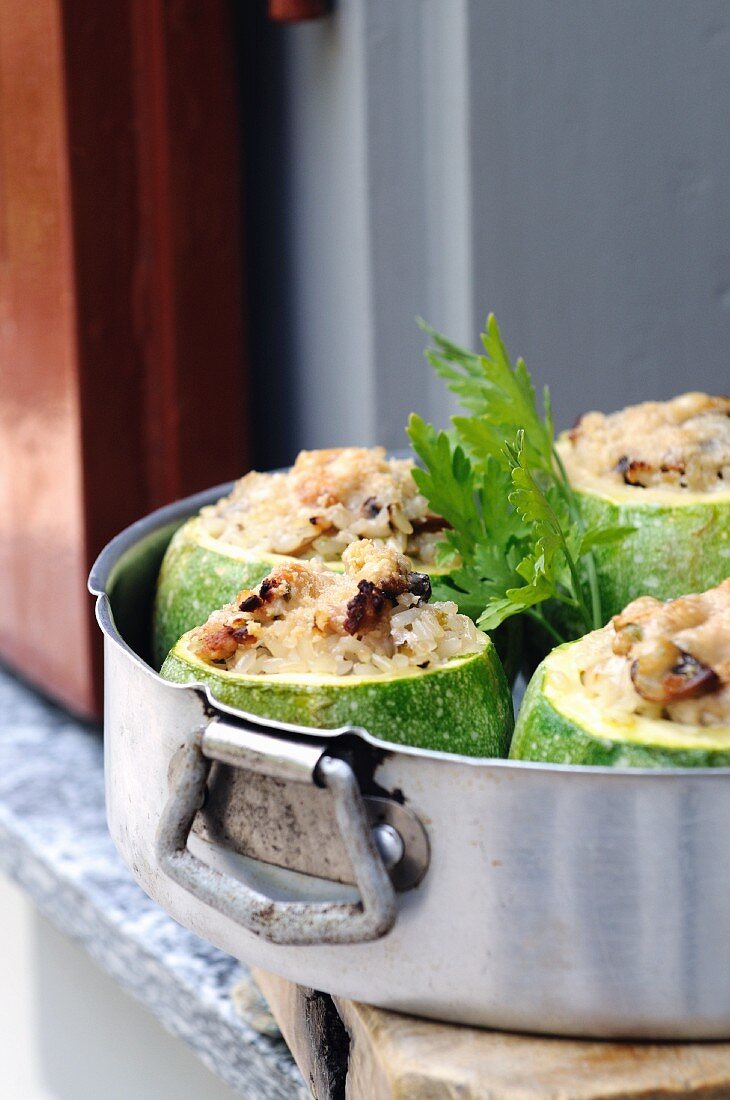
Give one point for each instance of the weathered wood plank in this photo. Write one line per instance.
(313, 1031)
(400, 1056)
(389, 1056)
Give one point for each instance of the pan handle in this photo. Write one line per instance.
(282, 922)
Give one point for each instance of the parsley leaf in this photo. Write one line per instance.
(516, 533)
(484, 538)
(500, 397)
(447, 482)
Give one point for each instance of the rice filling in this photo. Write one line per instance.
(328, 500)
(682, 444)
(374, 619)
(666, 660)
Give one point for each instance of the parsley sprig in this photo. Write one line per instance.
(516, 531)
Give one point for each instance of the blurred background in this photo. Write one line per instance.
(218, 225)
(563, 163)
(218, 230)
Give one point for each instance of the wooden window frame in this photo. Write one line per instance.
(122, 345)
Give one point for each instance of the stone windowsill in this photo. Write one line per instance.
(54, 843)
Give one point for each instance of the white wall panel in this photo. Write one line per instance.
(67, 1032)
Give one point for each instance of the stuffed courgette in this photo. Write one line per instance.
(651, 689)
(362, 648)
(663, 468)
(328, 500)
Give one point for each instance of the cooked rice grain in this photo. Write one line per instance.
(300, 619)
(616, 663)
(682, 444)
(328, 500)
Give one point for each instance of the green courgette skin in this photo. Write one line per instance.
(464, 707)
(543, 734)
(673, 550)
(194, 581)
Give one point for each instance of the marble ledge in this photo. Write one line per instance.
(54, 843)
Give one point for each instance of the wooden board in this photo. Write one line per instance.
(384, 1055)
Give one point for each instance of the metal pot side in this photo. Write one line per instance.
(572, 901)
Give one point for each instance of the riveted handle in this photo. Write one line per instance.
(283, 922)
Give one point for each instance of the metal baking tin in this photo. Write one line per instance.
(563, 900)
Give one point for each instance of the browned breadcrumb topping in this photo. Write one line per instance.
(329, 499)
(679, 444)
(668, 659)
(304, 617)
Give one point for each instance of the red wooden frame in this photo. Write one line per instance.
(296, 11)
(122, 353)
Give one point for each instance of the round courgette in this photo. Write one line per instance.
(680, 542)
(559, 723)
(463, 706)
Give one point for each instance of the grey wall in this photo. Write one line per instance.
(600, 138)
(562, 162)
